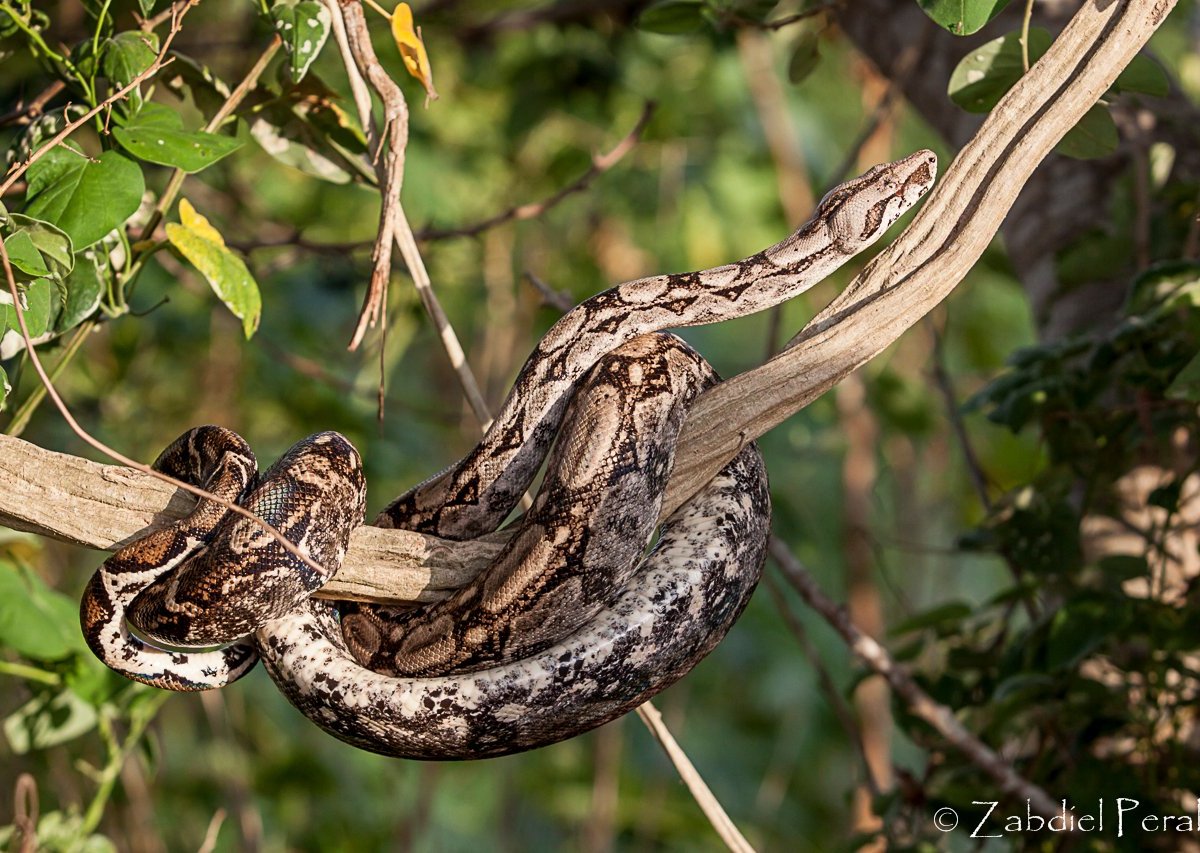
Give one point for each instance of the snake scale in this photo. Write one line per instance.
(573, 623)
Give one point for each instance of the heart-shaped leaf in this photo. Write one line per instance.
(85, 198)
(156, 135)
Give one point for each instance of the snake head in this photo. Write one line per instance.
(860, 210)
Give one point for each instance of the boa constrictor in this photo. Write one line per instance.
(571, 625)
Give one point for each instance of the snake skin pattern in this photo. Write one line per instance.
(570, 626)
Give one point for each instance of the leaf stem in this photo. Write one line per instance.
(139, 719)
(386, 14)
(1028, 16)
(29, 673)
(21, 417)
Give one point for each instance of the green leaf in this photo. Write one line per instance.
(1166, 286)
(85, 198)
(37, 622)
(805, 55)
(986, 73)
(147, 6)
(185, 75)
(1186, 384)
(36, 306)
(156, 135)
(125, 56)
(85, 287)
(304, 27)
(672, 17)
(1123, 567)
(64, 833)
(962, 17)
(48, 719)
(1094, 136)
(5, 387)
(1143, 75)
(1076, 631)
(50, 241)
(24, 256)
(226, 273)
(946, 614)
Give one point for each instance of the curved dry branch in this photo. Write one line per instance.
(78, 501)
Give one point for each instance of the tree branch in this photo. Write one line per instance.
(919, 703)
(79, 501)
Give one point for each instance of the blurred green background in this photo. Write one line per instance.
(870, 485)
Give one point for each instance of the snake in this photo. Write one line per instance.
(591, 607)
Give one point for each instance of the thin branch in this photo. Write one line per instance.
(557, 299)
(810, 12)
(919, 703)
(155, 21)
(601, 163)
(71, 126)
(830, 690)
(388, 147)
(945, 386)
(360, 55)
(25, 113)
(700, 792)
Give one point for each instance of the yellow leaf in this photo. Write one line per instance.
(204, 247)
(412, 49)
(195, 222)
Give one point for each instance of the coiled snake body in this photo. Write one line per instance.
(570, 626)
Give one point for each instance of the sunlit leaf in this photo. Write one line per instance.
(156, 135)
(85, 198)
(37, 300)
(304, 28)
(24, 257)
(984, 75)
(51, 243)
(5, 388)
(962, 17)
(36, 621)
(412, 48)
(48, 719)
(204, 247)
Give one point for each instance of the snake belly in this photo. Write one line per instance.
(464, 683)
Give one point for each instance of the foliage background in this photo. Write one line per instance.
(871, 486)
